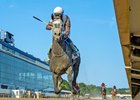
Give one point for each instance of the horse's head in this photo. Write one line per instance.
(57, 29)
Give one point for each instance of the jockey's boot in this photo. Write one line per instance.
(48, 60)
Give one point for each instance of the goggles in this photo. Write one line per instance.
(57, 14)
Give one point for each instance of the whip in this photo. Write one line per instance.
(39, 20)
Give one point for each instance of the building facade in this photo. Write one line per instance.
(20, 70)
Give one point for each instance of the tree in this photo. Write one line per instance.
(65, 85)
(92, 90)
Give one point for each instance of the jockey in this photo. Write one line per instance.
(114, 90)
(58, 13)
(103, 87)
(103, 90)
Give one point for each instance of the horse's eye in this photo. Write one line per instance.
(59, 34)
(54, 33)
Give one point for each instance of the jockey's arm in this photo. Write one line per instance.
(49, 25)
(67, 27)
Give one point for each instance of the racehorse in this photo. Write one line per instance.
(61, 61)
(114, 92)
(103, 92)
(114, 95)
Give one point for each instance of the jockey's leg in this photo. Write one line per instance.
(49, 52)
(48, 61)
(72, 46)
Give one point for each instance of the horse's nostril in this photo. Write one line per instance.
(59, 34)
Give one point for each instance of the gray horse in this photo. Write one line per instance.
(61, 61)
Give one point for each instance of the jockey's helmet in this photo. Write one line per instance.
(103, 84)
(58, 10)
(114, 87)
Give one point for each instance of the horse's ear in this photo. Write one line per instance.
(52, 17)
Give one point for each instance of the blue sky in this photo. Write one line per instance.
(93, 31)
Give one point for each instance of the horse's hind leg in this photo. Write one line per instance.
(75, 74)
(55, 81)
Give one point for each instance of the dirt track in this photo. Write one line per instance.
(46, 99)
(56, 99)
(41, 99)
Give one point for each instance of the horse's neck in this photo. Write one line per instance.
(57, 47)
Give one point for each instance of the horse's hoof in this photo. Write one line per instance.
(58, 95)
(57, 91)
(74, 92)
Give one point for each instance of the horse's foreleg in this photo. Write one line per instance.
(70, 79)
(55, 81)
(60, 80)
(69, 73)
